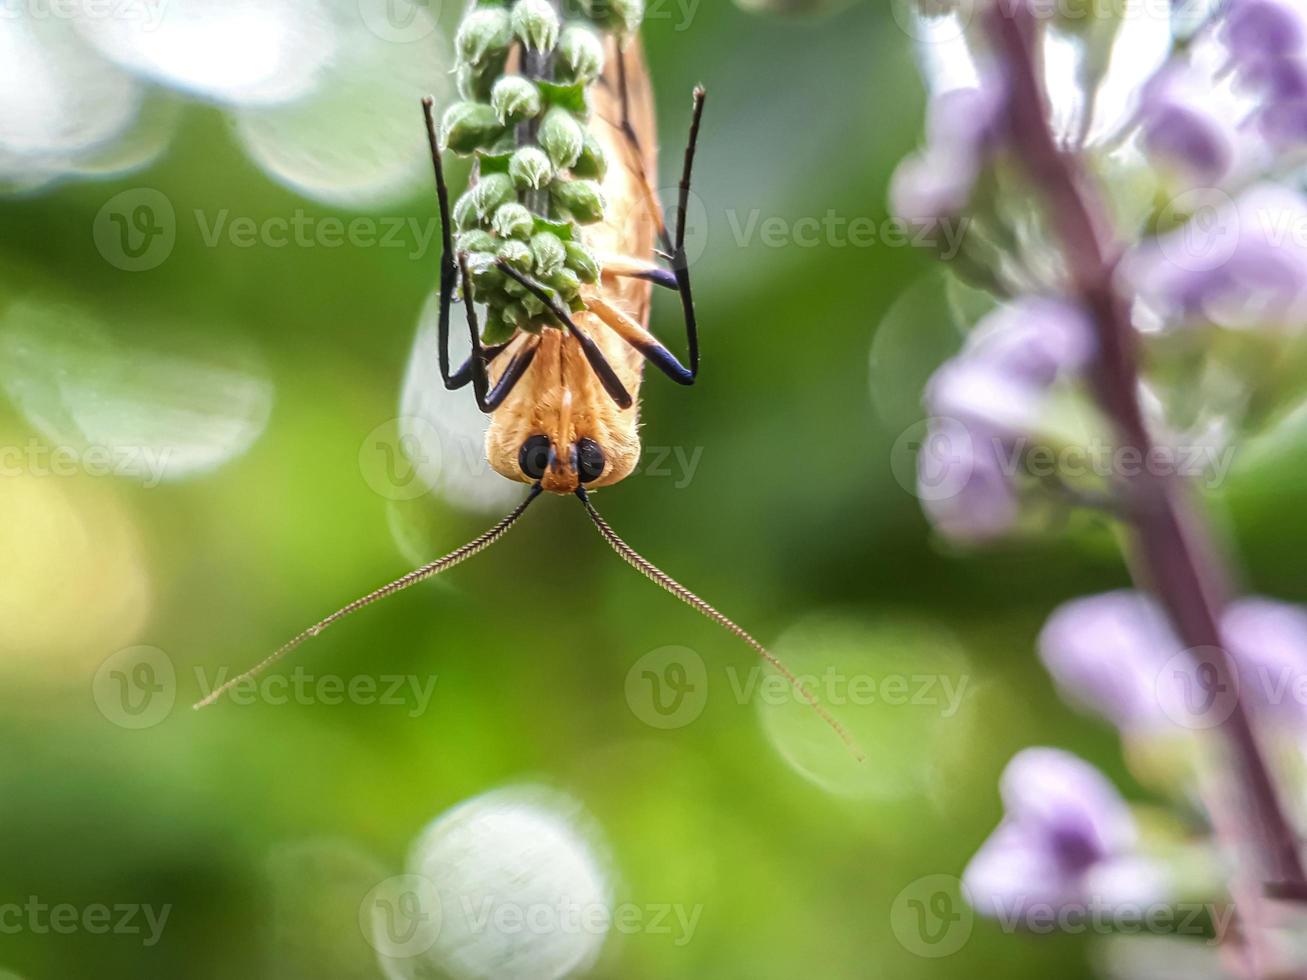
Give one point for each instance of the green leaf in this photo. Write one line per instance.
(570, 97)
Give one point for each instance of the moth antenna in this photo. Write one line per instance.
(473, 547)
(660, 578)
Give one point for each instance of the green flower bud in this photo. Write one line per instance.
(581, 54)
(513, 221)
(567, 282)
(530, 168)
(535, 22)
(496, 329)
(547, 249)
(580, 198)
(466, 126)
(591, 163)
(465, 212)
(484, 33)
(481, 268)
(582, 261)
(617, 15)
(562, 137)
(491, 192)
(475, 241)
(514, 288)
(516, 314)
(518, 255)
(533, 305)
(515, 99)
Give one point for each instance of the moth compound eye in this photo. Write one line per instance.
(534, 456)
(589, 461)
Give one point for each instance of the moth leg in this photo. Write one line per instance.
(448, 270)
(674, 249)
(463, 376)
(607, 376)
(642, 340)
(623, 265)
(489, 400)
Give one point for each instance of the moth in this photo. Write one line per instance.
(562, 392)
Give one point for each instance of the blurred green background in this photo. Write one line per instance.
(254, 822)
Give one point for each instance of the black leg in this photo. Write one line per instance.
(488, 401)
(680, 264)
(448, 270)
(674, 249)
(463, 376)
(607, 376)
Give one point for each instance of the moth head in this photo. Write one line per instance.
(561, 465)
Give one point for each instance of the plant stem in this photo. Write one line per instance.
(1174, 545)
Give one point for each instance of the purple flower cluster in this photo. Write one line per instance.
(1229, 253)
(1116, 655)
(986, 398)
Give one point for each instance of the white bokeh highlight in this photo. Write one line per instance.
(524, 889)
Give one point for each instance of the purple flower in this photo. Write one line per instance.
(929, 187)
(962, 484)
(1183, 135)
(1106, 652)
(1035, 339)
(1284, 124)
(1239, 266)
(983, 401)
(962, 127)
(1065, 832)
(1257, 29)
(1268, 641)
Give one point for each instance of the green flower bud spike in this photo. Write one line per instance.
(581, 54)
(468, 126)
(485, 33)
(535, 22)
(513, 221)
(515, 100)
(579, 198)
(538, 165)
(530, 169)
(562, 137)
